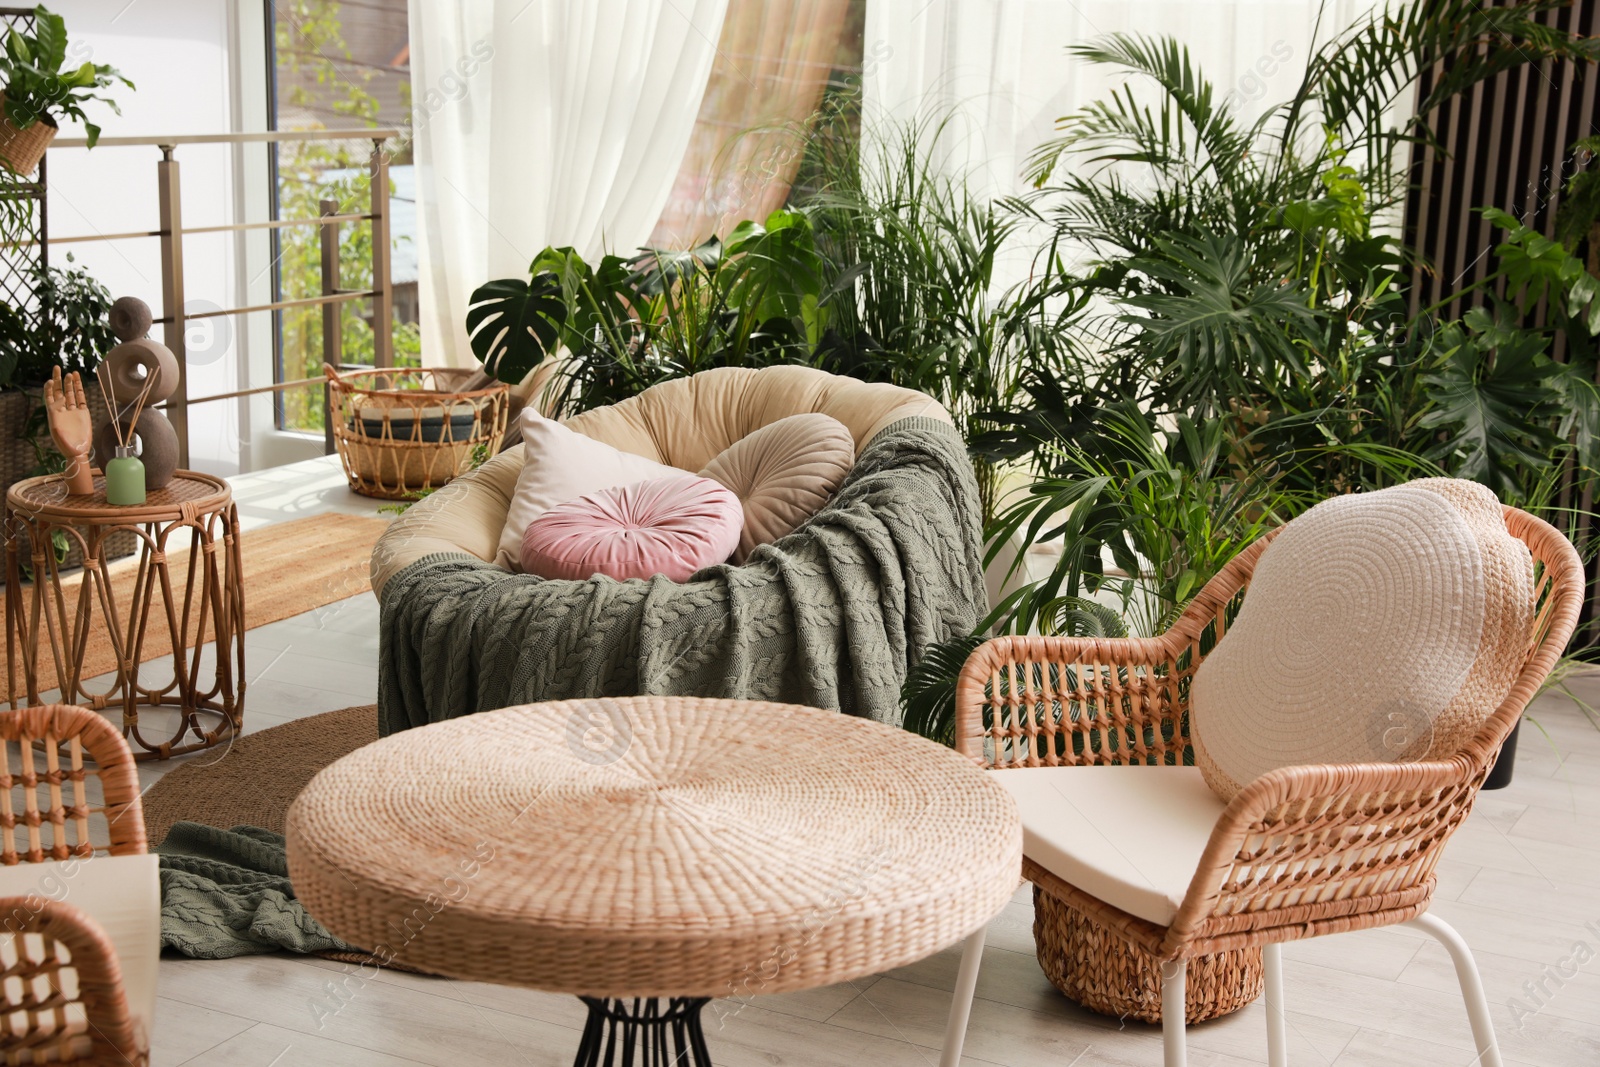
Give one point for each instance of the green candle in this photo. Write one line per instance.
(125, 478)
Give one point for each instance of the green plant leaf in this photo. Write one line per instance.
(17, 48)
(514, 324)
(928, 697)
(1494, 400)
(50, 37)
(1215, 328)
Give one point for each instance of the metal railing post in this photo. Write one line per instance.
(332, 341)
(168, 190)
(383, 293)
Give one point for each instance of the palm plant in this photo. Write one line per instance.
(1206, 231)
(916, 254)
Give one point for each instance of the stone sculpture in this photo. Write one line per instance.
(126, 370)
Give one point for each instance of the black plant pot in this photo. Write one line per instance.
(402, 427)
(1500, 773)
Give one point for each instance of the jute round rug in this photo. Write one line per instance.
(253, 780)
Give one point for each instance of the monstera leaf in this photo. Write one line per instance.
(1215, 329)
(513, 323)
(1495, 397)
(777, 272)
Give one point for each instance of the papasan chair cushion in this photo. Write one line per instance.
(832, 615)
(667, 526)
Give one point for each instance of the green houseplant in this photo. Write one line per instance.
(1239, 294)
(41, 88)
(622, 325)
(68, 328)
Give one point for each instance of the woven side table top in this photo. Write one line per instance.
(46, 497)
(654, 846)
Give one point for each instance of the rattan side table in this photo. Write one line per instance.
(651, 853)
(51, 617)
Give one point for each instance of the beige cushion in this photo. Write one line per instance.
(684, 423)
(782, 474)
(561, 465)
(120, 893)
(1131, 836)
(688, 421)
(1378, 627)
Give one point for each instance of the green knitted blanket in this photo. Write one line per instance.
(831, 616)
(226, 893)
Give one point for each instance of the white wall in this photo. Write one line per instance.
(200, 68)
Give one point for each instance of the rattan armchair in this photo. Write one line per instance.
(1300, 852)
(61, 845)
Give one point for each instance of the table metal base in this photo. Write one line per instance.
(647, 1032)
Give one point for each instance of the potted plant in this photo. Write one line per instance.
(39, 89)
(68, 327)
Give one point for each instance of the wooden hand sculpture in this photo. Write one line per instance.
(68, 412)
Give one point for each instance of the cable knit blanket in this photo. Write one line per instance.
(226, 893)
(831, 616)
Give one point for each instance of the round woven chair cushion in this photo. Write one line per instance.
(1378, 627)
(783, 474)
(671, 526)
(654, 846)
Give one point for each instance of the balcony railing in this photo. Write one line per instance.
(171, 231)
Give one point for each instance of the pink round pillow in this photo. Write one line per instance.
(667, 526)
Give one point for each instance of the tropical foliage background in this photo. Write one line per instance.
(1216, 330)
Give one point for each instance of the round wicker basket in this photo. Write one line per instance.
(1098, 968)
(403, 432)
(21, 150)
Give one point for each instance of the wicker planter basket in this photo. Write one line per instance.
(404, 432)
(1105, 972)
(21, 150)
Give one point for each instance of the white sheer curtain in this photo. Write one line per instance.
(999, 73)
(544, 122)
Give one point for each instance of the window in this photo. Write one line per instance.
(337, 64)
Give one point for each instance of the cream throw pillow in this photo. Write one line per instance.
(559, 465)
(1378, 627)
(783, 473)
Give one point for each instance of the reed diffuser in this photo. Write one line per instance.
(125, 471)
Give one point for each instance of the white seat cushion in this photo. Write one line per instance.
(1131, 836)
(123, 895)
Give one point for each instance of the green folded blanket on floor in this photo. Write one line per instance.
(226, 893)
(832, 616)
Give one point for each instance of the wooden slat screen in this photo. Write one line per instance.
(1504, 144)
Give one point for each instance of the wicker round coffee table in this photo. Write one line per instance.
(186, 592)
(651, 853)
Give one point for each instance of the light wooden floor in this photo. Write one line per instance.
(1521, 881)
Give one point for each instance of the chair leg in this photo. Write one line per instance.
(1174, 1006)
(1277, 1021)
(1471, 986)
(955, 1030)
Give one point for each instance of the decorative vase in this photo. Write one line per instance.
(125, 478)
(21, 150)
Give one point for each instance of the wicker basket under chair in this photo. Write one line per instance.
(403, 432)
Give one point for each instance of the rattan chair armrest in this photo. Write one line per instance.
(1307, 844)
(1137, 685)
(99, 982)
(1126, 677)
(62, 745)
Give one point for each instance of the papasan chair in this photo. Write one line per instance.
(833, 615)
